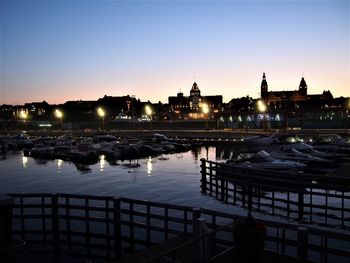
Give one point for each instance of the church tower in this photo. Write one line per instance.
(195, 94)
(195, 90)
(264, 87)
(303, 87)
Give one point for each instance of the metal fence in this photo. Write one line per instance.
(108, 227)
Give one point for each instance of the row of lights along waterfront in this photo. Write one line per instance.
(100, 112)
(148, 110)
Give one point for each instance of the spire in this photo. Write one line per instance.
(302, 83)
(303, 87)
(264, 86)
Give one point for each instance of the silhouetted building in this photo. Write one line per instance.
(33, 110)
(281, 97)
(191, 107)
(295, 99)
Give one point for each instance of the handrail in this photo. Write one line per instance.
(298, 196)
(187, 243)
(140, 217)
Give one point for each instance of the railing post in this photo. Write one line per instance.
(300, 199)
(202, 245)
(302, 244)
(6, 203)
(196, 213)
(250, 197)
(55, 225)
(222, 190)
(204, 176)
(117, 228)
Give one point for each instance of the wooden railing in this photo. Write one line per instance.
(109, 227)
(319, 199)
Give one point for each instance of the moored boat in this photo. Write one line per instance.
(262, 160)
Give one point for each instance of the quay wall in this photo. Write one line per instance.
(186, 133)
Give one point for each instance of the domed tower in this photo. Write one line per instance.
(264, 87)
(303, 87)
(195, 90)
(195, 95)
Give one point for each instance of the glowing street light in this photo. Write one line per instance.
(206, 110)
(102, 114)
(148, 110)
(262, 108)
(23, 115)
(59, 115)
(149, 113)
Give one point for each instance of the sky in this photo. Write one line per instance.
(71, 50)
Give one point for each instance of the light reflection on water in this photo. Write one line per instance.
(24, 161)
(149, 166)
(173, 178)
(102, 163)
(59, 165)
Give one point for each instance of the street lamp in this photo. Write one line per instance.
(205, 110)
(59, 115)
(149, 113)
(23, 115)
(102, 114)
(262, 108)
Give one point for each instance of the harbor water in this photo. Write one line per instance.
(173, 178)
(169, 178)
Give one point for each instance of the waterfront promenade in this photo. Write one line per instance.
(186, 133)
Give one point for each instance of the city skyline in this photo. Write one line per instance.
(60, 51)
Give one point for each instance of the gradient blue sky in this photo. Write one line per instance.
(70, 50)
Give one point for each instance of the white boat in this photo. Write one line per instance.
(260, 140)
(309, 149)
(293, 154)
(331, 143)
(42, 151)
(262, 160)
(276, 138)
(84, 153)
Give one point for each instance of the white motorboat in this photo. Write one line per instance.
(293, 154)
(84, 153)
(42, 151)
(262, 160)
(276, 138)
(331, 143)
(260, 140)
(309, 149)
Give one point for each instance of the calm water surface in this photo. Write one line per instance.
(174, 181)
